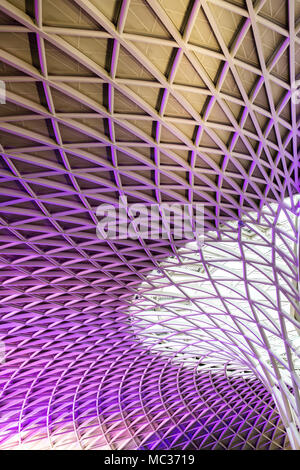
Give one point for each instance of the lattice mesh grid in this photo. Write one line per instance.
(236, 300)
(137, 98)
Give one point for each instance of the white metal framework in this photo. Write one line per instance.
(233, 301)
(161, 101)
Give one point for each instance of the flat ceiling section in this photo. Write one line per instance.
(200, 91)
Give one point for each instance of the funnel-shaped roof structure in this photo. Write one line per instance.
(149, 342)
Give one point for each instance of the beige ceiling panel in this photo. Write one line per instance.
(64, 13)
(142, 20)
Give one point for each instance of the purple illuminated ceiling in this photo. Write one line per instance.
(184, 101)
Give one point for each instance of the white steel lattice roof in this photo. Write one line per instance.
(188, 101)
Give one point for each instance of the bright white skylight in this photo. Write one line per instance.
(232, 300)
